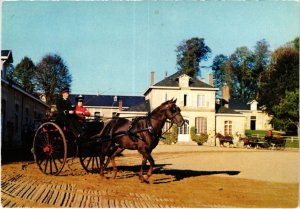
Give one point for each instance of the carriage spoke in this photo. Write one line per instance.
(93, 160)
(88, 163)
(54, 162)
(98, 166)
(40, 162)
(50, 159)
(46, 165)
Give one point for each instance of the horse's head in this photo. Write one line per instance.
(172, 112)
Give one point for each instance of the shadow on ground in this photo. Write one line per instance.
(171, 174)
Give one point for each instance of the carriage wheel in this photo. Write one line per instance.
(89, 156)
(50, 148)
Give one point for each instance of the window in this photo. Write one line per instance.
(184, 129)
(201, 101)
(185, 100)
(228, 127)
(201, 125)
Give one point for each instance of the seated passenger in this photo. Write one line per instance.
(80, 110)
(278, 137)
(269, 135)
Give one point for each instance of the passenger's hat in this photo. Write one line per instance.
(65, 89)
(79, 98)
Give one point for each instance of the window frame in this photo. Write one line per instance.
(200, 125)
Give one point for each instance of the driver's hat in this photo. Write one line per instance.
(65, 89)
(79, 98)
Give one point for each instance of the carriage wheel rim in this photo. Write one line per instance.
(45, 155)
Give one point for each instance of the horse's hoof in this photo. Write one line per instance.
(141, 178)
(114, 175)
(145, 177)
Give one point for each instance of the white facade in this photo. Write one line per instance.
(228, 124)
(256, 119)
(194, 102)
(198, 107)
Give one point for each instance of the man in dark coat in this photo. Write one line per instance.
(66, 113)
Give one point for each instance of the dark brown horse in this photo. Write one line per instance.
(224, 139)
(141, 134)
(249, 141)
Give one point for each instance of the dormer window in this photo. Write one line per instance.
(253, 105)
(184, 81)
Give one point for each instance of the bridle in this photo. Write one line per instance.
(174, 113)
(149, 126)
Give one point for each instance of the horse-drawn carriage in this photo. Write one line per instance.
(54, 143)
(264, 143)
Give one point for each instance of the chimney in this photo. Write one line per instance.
(225, 95)
(152, 79)
(120, 104)
(211, 79)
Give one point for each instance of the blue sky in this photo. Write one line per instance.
(111, 47)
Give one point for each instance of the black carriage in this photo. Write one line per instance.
(53, 144)
(264, 143)
(273, 142)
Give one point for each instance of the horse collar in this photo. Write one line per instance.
(149, 125)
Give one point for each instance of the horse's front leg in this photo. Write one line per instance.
(149, 173)
(146, 156)
(144, 161)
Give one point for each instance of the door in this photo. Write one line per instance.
(184, 132)
(253, 123)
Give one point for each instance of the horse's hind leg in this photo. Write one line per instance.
(102, 160)
(113, 162)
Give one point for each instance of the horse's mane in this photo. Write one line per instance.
(157, 109)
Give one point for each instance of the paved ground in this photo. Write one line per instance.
(185, 176)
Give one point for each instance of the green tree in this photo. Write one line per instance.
(219, 71)
(52, 76)
(261, 62)
(286, 112)
(241, 63)
(296, 43)
(281, 77)
(9, 72)
(24, 74)
(189, 55)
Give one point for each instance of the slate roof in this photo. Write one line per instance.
(223, 110)
(109, 100)
(241, 104)
(8, 54)
(173, 81)
(140, 107)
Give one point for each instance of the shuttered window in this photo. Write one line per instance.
(201, 125)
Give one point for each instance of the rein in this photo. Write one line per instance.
(148, 128)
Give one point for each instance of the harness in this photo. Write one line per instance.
(149, 128)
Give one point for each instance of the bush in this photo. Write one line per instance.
(199, 139)
(170, 137)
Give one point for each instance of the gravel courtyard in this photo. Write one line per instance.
(184, 176)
